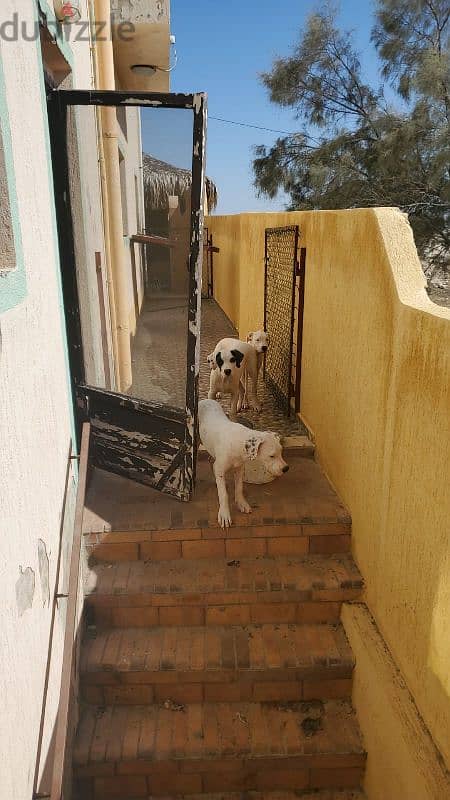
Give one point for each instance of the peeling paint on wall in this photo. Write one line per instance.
(44, 572)
(25, 589)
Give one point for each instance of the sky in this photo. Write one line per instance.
(222, 46)
(167, 134)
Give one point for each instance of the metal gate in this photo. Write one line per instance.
(279, 302)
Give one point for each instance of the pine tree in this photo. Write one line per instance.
(367, 151)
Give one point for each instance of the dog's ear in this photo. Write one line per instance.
(219, 359)
(238, 356)
(250, 336)
(252, 445)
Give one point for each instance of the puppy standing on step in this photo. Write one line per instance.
(231, 445)
(233, 357)
(225, 377)
(260, 341)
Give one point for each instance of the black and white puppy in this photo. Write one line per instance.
(225, 378)
(234, 357)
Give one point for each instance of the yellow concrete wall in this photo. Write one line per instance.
(402, 761)
(375, 393)
(239, 267)
(227, 263)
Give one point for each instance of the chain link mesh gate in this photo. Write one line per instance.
(279, 301)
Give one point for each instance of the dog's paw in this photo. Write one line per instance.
(224, 518)
(244, 507)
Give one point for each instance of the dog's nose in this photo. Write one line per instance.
(227, 371)
(286, 468)
(264, 348)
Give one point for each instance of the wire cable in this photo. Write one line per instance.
(263, 128)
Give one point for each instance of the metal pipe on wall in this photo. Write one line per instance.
(113, 200)
(115, 376)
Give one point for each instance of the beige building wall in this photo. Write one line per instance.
(375, 394)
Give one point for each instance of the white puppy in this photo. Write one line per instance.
(233, 357)
(260, 341)
(231, 445)
(211, 361)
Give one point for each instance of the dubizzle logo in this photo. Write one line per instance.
(71, 28)
(69, 13)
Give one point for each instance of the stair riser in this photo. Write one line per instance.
(240, 689)
(231, 614)
(283, 540)
(270, 774)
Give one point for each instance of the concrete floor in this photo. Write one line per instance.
(159, 360)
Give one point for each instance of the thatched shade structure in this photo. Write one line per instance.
(162, 179)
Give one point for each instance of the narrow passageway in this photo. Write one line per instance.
(159, 360)
(216, 325)
(215, 659)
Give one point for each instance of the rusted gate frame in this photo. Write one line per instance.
(208, 270)
(69, 660)
(301, 272)
(284, 400)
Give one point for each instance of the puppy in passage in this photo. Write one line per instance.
(260, 341)
(211, 361)
(225, 378)
(231, 445)
(235, 356)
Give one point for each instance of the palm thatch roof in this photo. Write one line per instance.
(162, 179)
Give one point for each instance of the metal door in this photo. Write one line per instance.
(279, 302)
(148, 441)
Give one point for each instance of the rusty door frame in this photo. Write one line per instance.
(301, 274)
(148, 442)
(209, 250)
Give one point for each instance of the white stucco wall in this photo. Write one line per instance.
(36, 420)
(35, 426)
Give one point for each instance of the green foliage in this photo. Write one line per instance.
(368, 153)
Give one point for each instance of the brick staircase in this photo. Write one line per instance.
(214, 663)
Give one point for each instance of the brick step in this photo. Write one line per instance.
(217, 592)
(319, 794)
(294, 515)
(273, 539)
(195, 664)
(125, 752)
